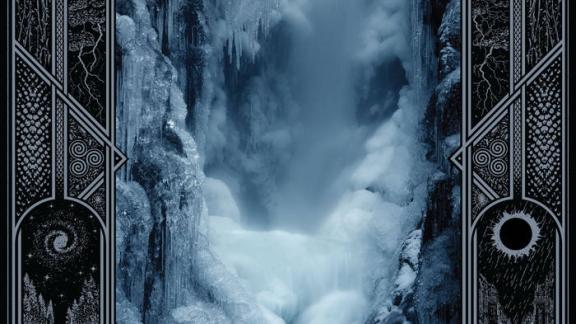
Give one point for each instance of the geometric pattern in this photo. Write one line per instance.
(33, 137)
(544, 137)
(63, 161)
(85, 157)
(491, 155)
(513, 162)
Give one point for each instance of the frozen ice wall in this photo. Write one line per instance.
(163, 260)
(277, 172)
(160, 203)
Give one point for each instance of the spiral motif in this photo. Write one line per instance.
(482, 157)
(78, 149)
(498, 148)
(59, 242)
(60, 234)
(94, 158)
(83, 158)
(78, 167)
(498, 167)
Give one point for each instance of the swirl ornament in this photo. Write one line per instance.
(492, 158)
(516, 234)
(94, 158)
(498, 167)
(84, 160)
(78, 149)
(482, 157)
(498, 148)
(78, 167)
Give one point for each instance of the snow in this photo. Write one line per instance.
(392, 309)
(394, 160)
(199, 312)
(409, 263)
(340, 307)
(288, 271)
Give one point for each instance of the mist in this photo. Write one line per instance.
(282, 188)
(308, 128)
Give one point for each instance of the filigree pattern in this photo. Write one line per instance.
(479, 201)
(33, 28)
(33, 138)
(98, 201)
(517, 145)
(60, 134)
(490, 55)
(515, 273)
(514, 67)
(517, 41)
(87, 55)
(544, 138)
(543, 29)
(59, 28)
(492, 159)
(85, 158)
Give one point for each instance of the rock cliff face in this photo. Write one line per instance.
(431, 254)
(440, 256)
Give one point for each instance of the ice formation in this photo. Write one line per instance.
(277, 171)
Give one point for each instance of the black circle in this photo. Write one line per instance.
(515, 233)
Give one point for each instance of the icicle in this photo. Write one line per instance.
(422, 51)
(243, 21)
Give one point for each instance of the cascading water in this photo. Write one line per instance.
(342, 191)
(305, 171)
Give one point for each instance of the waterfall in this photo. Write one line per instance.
(275, 161)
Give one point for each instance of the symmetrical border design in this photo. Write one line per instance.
(62, 161)
(514, 216)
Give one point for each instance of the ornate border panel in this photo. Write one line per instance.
(62, 161)
(513, 158)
